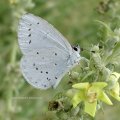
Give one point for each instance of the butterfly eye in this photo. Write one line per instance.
(75, 48)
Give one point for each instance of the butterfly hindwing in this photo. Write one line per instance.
(44, 68)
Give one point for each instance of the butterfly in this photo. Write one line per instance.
(47, 55)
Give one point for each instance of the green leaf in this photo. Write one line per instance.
(88, 74)
(105, 25)
(116, 49)
(90, 108)
(106, 31)
(70, 93)
(75, 75)
(114, 57)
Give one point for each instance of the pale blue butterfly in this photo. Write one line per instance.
(47, 55)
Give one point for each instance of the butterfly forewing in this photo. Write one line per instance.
(36, 33)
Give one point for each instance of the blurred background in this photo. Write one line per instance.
(75, 19)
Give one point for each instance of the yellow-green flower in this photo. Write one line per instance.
(89, 93)
(114, 87)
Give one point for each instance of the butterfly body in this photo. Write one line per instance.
(74, 58)
(47, 56)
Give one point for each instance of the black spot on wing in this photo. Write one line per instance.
(45, 85)
(48, 79)
(36, 68)
(29, 41)
(29, 29)
(29, 35)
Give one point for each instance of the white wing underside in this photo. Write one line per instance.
(36, 33)
(46, 69)
(45, 50)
